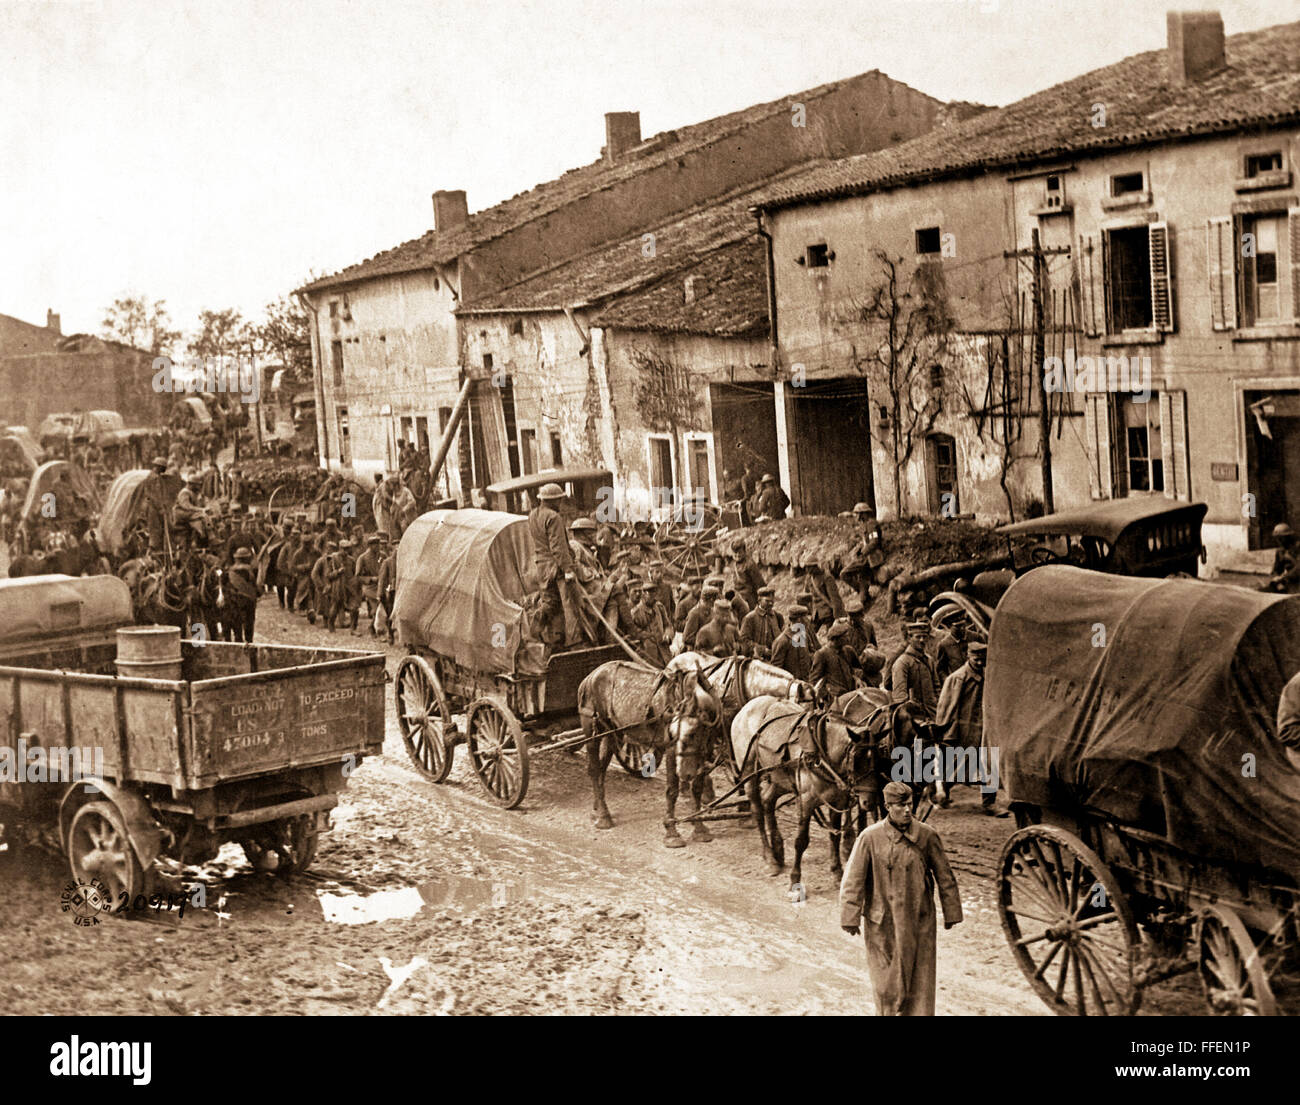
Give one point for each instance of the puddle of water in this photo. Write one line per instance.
(454, 891)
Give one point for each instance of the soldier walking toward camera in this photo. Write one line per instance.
(760, 628)
(791, 649)
(717, 637)
(959, 723)
(888, 893)
(654, 627)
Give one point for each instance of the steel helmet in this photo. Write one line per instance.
(550, 491)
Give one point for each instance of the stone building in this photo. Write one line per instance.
(1162, 192)
(395, 337)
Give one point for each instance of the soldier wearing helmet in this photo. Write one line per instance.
(1286, 562)
(553, 564)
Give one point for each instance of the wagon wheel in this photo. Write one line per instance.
(630, 755)
(424, 718)
(686, 550)
(1065, 915)
(498, 750)
(1231, 970)
(99, 848)
(286, 847)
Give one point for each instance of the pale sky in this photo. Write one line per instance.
(212, 154)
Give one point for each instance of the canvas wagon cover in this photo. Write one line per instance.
(1168, 726)
(462, 576)
(122, 506)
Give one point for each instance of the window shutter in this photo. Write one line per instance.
(1293, 223)
(1162, 294)
(1173, 444)
(1220, 254)
(1096, 420)
(1088, 274)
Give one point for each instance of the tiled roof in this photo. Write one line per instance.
(1259, 86)
(730, 296)
(435, 248)
(632, 263)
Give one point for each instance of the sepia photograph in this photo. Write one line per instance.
(602, 509)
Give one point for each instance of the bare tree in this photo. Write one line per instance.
(904, 324)
(134, 321)
(219, 333)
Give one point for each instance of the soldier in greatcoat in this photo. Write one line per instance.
(888, 893)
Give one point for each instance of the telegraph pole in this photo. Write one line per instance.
(1036, 255)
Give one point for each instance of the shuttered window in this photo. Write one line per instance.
(1293, 221)
(1162, 290)
(1173, 443)
(1097, 420)
(1220, 254)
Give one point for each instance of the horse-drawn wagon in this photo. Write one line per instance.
(1158, 813)
(471, 675)
(246, 743)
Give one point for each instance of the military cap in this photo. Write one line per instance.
(1283, 530)
(584, 524)
(649, 585)
(711, 588)
(550, 491)
(976, 646)
(767, 589)
(896, 792)
(373, 539)
(837, 630)
(345, 544)
(719, 580)
(331, 522)
(798, 610)
(768, 478)
(243, 553)
(158, 462)
(920, 625)
(721, 604)
(695, 579)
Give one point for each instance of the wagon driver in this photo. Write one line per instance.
(553, 563)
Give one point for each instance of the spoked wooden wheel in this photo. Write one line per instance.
(1068, 923)
(498, 751)
(631, 757)
(99, 848)
(286, 847)
(424, 718)
(1231, 969)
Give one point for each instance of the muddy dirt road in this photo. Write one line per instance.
(428, 899)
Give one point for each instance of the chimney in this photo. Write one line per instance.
(622, 132)
(1195, 46)
(53, 322)
(450, 210)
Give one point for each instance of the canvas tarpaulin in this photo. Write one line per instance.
(462, 576)
(1153, 702)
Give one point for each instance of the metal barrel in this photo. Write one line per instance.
(149, 652)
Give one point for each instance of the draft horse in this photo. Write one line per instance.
(821, 758)
(668, 716)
